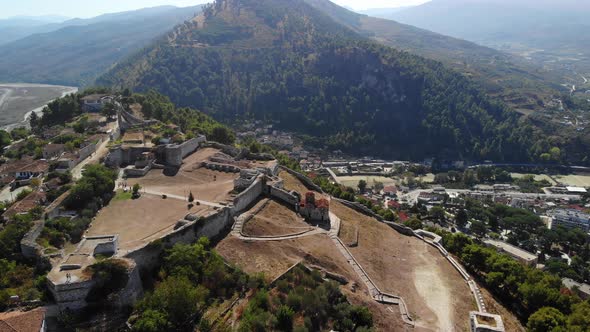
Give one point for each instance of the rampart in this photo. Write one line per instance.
(175, 153)
(285, 197)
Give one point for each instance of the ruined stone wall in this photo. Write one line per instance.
(71, 296)
(132, 292)
(28, 245)
(175, 153)
(249, 196)
(284, 196)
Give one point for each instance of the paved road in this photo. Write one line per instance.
(101, 151)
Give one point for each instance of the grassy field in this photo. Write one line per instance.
(576, 180)
(353, 181)
(538, 177)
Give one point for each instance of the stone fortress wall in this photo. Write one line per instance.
(175, 153)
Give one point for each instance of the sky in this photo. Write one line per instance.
(91, 8)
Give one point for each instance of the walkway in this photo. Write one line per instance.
(374, 291)
(181, 198)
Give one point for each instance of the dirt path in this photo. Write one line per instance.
(436, 296)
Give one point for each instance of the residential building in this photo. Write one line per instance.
(390, 191)
(570, 218)
(95, 102)
(517, 253)
(26, 204)
(51, 151)
(23, 321)
(24, 170)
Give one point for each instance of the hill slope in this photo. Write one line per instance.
(285, 61)
(515, 80)
(77, 53)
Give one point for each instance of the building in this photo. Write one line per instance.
(315, 210)
(26, 204)
(485, 322)
(95, 102)
(51, 151)
(24, 170)
(23, 321)
(570, 218)
(582, 290)
(575, 190)
(390, 191)
(520, 255)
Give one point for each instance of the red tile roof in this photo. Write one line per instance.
(22, 321)
(32, 200)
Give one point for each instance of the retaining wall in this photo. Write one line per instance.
(175, 153)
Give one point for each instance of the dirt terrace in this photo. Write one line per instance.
(274, 258)
(275, 219)
(206, 185)
(140, 221)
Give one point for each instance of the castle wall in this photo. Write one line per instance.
(284, 196)
(174, 154)
(248, 196)
(28, 245)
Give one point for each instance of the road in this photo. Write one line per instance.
(102, 151)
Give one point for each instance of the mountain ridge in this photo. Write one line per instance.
(287, 62)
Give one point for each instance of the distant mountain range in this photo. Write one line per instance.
(76, 51)
(552, 33)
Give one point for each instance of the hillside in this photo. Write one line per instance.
(520, 83)
(551, 33)
(78, 52)
(287, 62)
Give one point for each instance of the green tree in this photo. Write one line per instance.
(191, 198)
(546, 319)
(285, 318)
(461, 218)
(437, 213)
(151, 321)
(414, 223)
(362, 185)
(478, 228)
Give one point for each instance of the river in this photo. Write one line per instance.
(19, 100)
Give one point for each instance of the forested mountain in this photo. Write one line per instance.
(553, 33)
(520, 83)
(85, 48)
(286, 61)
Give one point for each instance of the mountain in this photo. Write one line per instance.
(552, 33)
(287, 62)
(380, 12)
(520, 83)
(14, 28)
(82, 49)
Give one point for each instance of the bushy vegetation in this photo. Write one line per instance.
(109, 275)
(190, 121)
(17, 275)
(92, 190)
(192, 278)
(303, 296)
(528, 291)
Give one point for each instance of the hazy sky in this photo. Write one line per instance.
(91, 8)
